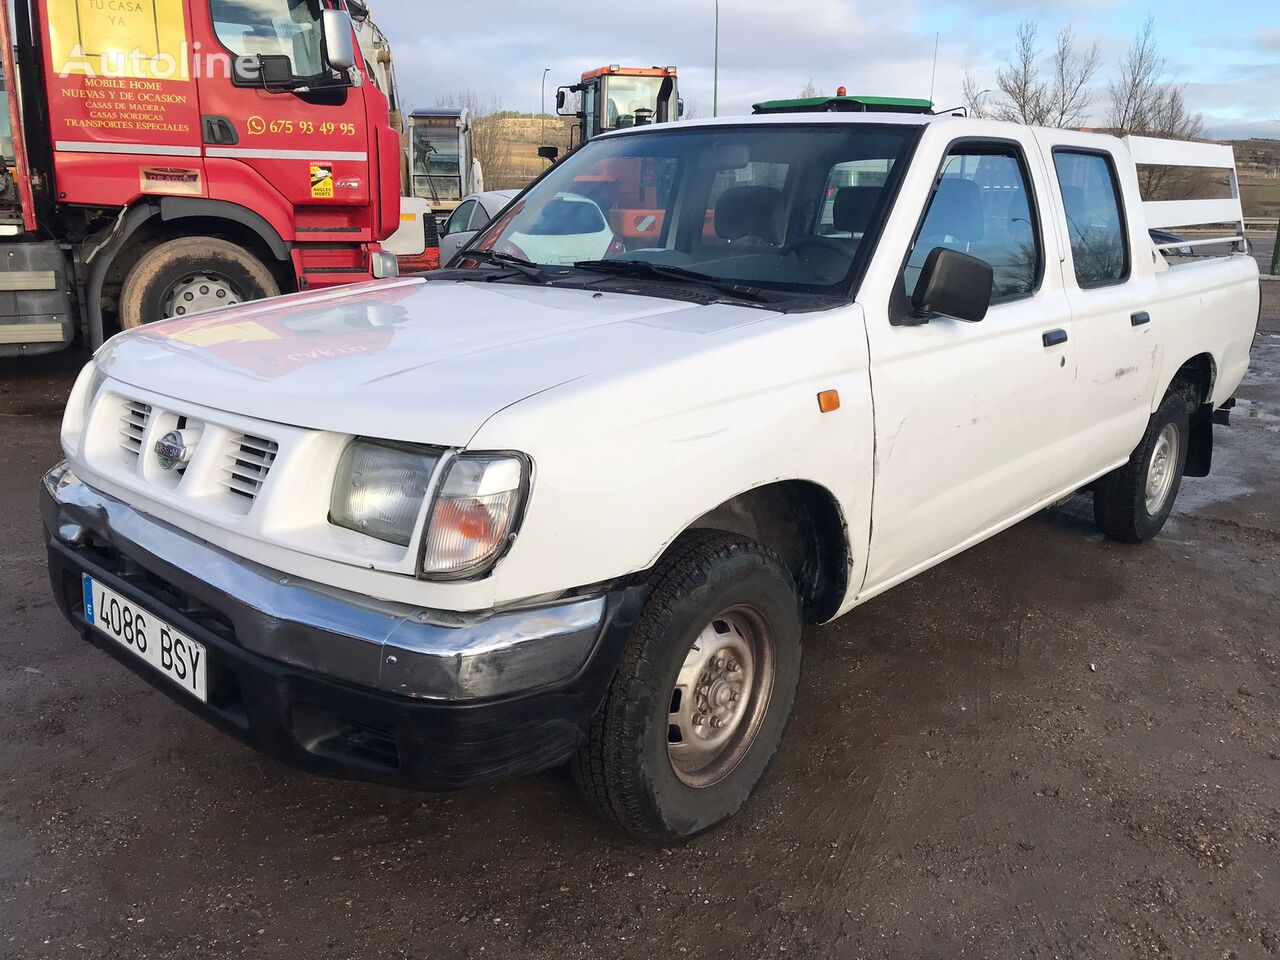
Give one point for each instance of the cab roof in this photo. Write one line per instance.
(614, 70)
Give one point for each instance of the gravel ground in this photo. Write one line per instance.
(1051, 746)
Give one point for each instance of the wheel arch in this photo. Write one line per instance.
(1196, 377)
(156, 220)
(802, 521)
(1195, 380)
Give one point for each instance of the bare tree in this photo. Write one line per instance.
(977, 101)
(1019, 80)
(810, 89)
(1134, 86)
(1060, 99)
(1143, 101)
(692, 109)
(1069, 94)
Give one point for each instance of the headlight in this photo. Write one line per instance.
(474, 515)
(380, 487)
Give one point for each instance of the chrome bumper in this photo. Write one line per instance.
(393, 648)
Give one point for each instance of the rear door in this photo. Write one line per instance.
(1112, 297)
(972, 419)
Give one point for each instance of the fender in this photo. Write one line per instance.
(97, 262)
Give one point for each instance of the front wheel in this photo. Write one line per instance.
(190, 275)
(702, 698)
(1132, 503)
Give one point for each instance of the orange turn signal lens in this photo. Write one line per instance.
(829, 401)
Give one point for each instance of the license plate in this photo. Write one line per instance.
(181, 659)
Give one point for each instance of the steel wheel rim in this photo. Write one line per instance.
(720, 697)
(1161, 470)
(197, 292)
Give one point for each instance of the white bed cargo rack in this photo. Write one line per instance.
(1163, 214)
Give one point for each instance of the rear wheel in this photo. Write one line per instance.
(1133, 503)
(190, 275)
(702, 698)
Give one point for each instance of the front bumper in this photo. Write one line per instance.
(339, 683)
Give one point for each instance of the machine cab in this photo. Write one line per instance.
(615, 97)
(444, 167)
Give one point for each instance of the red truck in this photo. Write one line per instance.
(168, 156)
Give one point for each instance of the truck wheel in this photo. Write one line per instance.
(703, 695)
(1132, 503)
(185, 276)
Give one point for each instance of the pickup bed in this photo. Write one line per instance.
(573, 499)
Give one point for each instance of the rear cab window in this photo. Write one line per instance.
(1095, 217)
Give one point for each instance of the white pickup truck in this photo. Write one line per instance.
(446, 530)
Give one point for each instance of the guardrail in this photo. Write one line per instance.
(1261, 223)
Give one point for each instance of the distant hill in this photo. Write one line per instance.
(1258, 166)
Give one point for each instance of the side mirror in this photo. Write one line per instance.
(680, 108)
(953, 284)
(339, 42)
(566, 102)
(549, 153)
(268, 71)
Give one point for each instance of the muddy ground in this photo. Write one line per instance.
(1052, 746)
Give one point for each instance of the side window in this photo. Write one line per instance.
(479, 218)
(1095, 223)
(982, 206)
(289, 28)
(460, 217)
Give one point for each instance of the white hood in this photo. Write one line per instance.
(403, 359)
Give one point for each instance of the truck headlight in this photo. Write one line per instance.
(380, 488)
(474, 515)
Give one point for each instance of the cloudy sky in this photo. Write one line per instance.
(1228, 54)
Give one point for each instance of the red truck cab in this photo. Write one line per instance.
(177, 155)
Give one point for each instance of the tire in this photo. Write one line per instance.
(738, 600)
(1121, 500)
(167, 280)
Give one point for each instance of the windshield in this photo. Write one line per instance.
(437, 168)
(625, 95)
(788, 207)
(289, 28)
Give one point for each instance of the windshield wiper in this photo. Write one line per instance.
(643, 269)
(506, 260)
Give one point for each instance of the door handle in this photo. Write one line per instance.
(1055, 338)
(219, 131)
(1138, 319)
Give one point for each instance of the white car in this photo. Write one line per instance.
(449, 529)
(471, 216)
(559, 231)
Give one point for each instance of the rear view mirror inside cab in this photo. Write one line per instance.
(725, 155)
(952, 284)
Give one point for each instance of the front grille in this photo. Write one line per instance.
(134, 418)
(248, 462)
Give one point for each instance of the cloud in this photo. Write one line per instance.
(770, 50)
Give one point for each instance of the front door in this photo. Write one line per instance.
(972, 418)
(308, 148)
